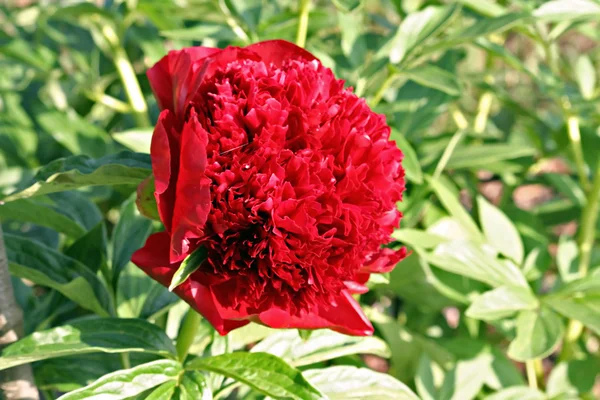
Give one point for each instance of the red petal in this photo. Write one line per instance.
(173, 77)
(164, 166)
(345, 317)
(192, 197)
(278, 51)
(153, 259)
(384, 261)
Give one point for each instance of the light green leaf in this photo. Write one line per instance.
(489, 8)
(105, 335)
(436, 78)
(418, 27)
(129, 235)
(188, 267)
(579, 300)
(123, 168)
(417, 238)
(47, 267)
(411, 165)
(567, 259)
(483, 155)
(538, 335)
(502, 302)
(573, 378)
(322, 345)
(163, 392)
(263, 372)
(562, 10)
(193, 386)
(517, 393)
(450, 202)
(40, 213)
(346, 382)
(477, 262)
(129, 382)
(248, 334)
(499, 231)
(137, 140)
(585, 73)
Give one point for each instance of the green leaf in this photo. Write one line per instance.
(106, 335)
(346, 382)
(163, 392)
(129, 235)
(585, 74)
(418, 27)
(436, 78)
(417, 238)
(47, 267)
(411, 165)
(123, 168)
(91, 248)
(425, 381)
(322, 345)
(502, 302)
(567, 186)
(517, 393)
(145, 200)
(573, 378)
(567, 259)
(483, 155)
(489, 8)
(263, 372)
(137, 140)
(129, 382)
(346, 5)
(538, 335)
(477, 262)
(40, 213)
(562, 10)
(193, 386)
(188, 267)
(579, 300)
(135, 292)
(450, 202)
(353, 42)
(499, 231)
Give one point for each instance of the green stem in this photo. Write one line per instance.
(187, 333)
(531, 374)
(483, 112)
(303, 22)
(575, 138)
(382, 89)
(589, 219)
(128, 77)
(125, 362)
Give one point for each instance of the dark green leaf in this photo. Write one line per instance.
(261, 371)
(346, 382)
(45, 266)
(188, 267)
(129, 382)
(106, 335)
(538, 334)
(79, 171)
(91, 248)
(436, 78)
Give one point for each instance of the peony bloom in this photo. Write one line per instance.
(286, 178)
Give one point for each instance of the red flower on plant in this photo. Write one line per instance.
(286, 178)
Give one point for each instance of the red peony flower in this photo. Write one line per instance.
(285, 177)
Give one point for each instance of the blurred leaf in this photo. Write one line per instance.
(263, 372)
(40, 213)
(499, 231)
(353, 43)
(501, 302)
(411, 165)
(346, 5)
(538, 334)
(486, 154)
(567, 186)
(567, 259)
(417, 238)
(436, 78)
(189, 265)
(346, 382)
(38, 57)
(517, 393)
(489, 8)
(585, 74)
(322, 345)
(137, 140)
(47, 267)
(129, 235)
(573, 378)
(425, 381)
(78, 171)
(580, 300)
(129, 382)
(418, 27)
(561, 10)
(94, 335)
(91, 248)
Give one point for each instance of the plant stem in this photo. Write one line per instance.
(485, 104)
(531, 374)
(303, 22)
(575, 138)
(128, 77)
(382, 89)
(187, 333)
(462, 124)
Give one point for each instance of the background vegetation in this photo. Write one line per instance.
(495, 105)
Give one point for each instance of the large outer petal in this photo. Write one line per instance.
(153, 259)
(192, 195)
(278, 51)
(175, 76)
